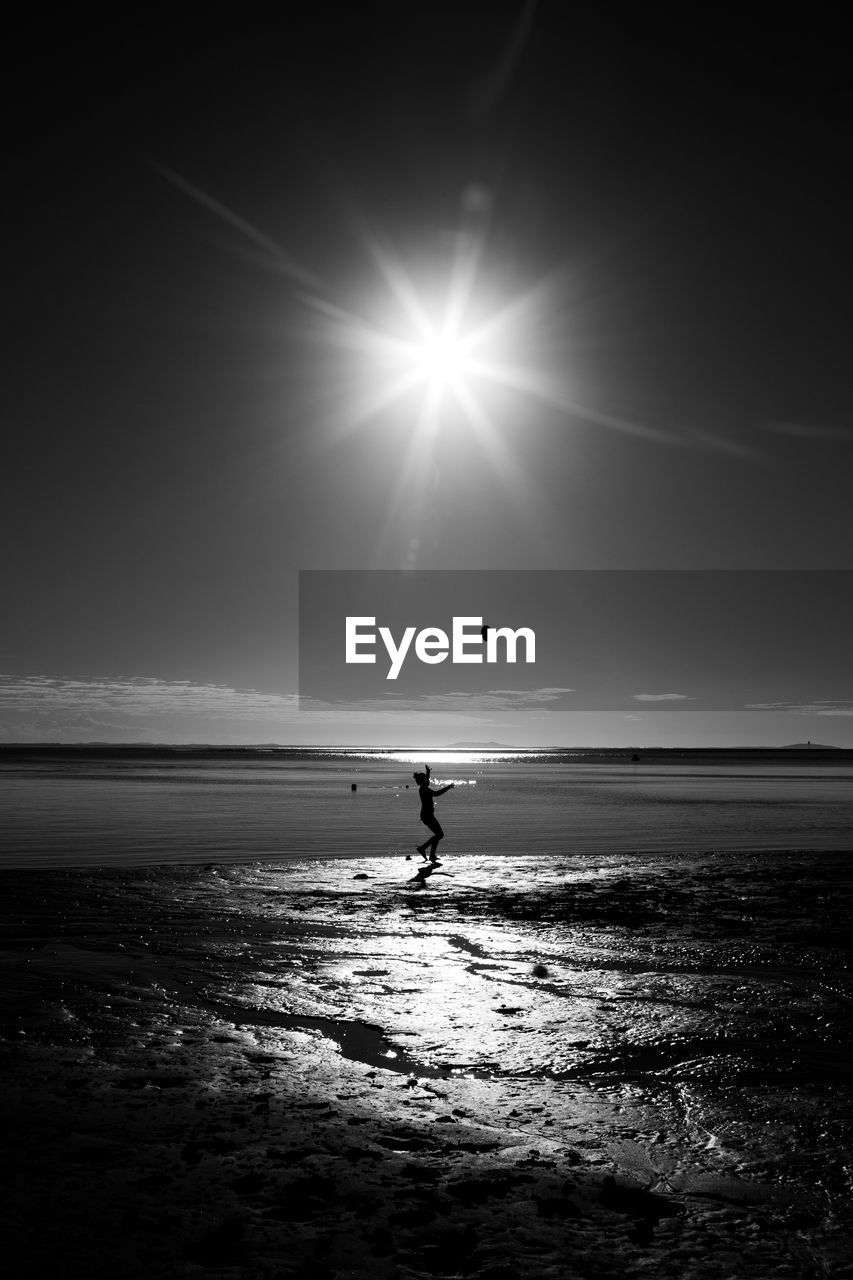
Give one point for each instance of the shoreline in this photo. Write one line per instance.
(29, 864)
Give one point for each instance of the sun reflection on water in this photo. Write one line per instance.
(450, 756)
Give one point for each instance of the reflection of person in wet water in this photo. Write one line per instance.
(428, 817)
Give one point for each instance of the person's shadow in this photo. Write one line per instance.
(423, 874)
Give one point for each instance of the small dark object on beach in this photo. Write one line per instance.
(540, 970)
(361, 875)
(353, 786)
(408, 857)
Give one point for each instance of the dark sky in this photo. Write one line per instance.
(184, 434)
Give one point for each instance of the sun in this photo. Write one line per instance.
(440, 359)
(437, 358)
(431, 342)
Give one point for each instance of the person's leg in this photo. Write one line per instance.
(435, 826)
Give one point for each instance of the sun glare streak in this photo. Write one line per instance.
(400, 286)
(277, 257)
(544, 389)
(530, 507)
(466, 264)
(414, 499)
(370, 406)
(531, 304)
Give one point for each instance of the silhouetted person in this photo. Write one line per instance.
(428, 817)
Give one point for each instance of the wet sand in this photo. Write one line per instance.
(608, 1067)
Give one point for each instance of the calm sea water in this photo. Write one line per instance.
(120, 807)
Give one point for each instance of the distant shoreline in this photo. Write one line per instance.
(796, 754)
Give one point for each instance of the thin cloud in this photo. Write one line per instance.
(808, 430)
(146, 708)
(454, 701)
(662, 697)
(138, 696)
(825, 707)
(549, 693)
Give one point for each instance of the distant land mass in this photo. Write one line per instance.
(808, 746)
(480, 746)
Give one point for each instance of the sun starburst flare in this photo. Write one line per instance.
(435, 356)
(441, 337)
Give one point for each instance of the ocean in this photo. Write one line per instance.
(124, 806)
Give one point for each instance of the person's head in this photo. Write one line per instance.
(420, 778)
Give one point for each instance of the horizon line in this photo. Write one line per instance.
(484, 748)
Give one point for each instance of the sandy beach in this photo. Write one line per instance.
(625, 1066)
